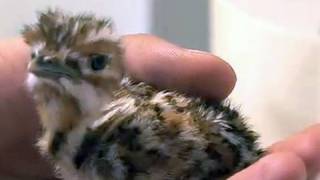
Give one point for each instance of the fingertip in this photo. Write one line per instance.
(14, 56)
(213, 77)
(306, 145)
(277, 166)
(167, 66)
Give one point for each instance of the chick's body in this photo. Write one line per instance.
(147, 134)
(99, 125)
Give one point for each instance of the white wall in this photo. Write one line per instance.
(275, 52)
(131, 16)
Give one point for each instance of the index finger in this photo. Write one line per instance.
(160, 63)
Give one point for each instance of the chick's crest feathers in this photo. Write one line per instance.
(56, 27)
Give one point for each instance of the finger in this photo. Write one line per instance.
(167, 66)
(278, 166)
(13, 53)
(306, 145)
(19, 126)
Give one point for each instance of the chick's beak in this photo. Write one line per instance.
(50, 68)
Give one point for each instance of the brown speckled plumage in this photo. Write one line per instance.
(99, 125)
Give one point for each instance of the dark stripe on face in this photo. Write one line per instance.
(88, 147)
(58, 140)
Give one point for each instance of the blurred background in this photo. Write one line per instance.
(185, 22)
(274, 47)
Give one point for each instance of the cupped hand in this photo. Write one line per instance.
(295, 158)
(149, 59)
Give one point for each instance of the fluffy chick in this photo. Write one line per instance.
(100, 125)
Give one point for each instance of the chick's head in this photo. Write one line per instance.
(76, 48)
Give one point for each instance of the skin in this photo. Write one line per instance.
(162, 64)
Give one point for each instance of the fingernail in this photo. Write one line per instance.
(198, 51)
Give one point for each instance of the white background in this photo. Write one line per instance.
(130, 16)
(274, 47)
(184, 22)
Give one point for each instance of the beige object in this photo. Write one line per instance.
(274, 47)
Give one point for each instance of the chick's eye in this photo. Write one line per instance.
(99, 61)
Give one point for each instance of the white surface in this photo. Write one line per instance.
(300, 16)
(276, 56)
(130, 16)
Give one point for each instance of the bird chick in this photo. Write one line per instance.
(100, 125)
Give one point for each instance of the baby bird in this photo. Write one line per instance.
(100, 125)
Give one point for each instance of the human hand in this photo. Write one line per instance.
(295, 158)
(149, 59)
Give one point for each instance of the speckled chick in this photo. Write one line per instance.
(100, 125)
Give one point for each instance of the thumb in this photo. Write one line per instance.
(277, 166)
